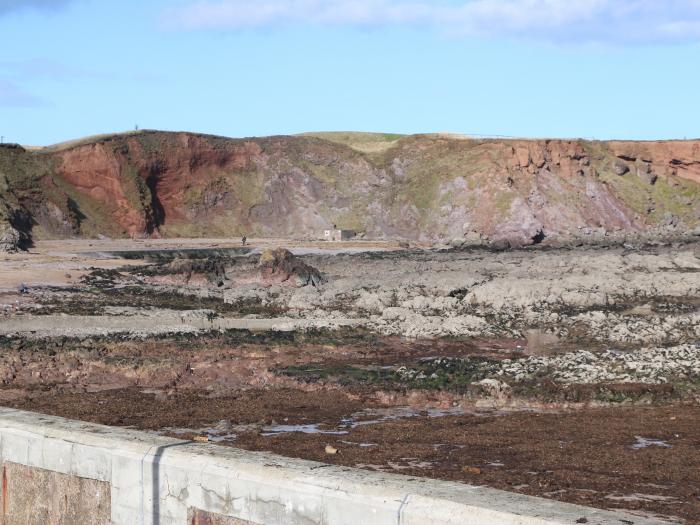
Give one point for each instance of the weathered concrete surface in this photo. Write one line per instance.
(156, 480)
(34, 496)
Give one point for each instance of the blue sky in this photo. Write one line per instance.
(530, 68)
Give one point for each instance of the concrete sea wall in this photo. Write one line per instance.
(57, 471)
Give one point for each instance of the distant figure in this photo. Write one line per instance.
(23, 288)
(244, 240)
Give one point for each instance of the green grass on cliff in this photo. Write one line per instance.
(20, 173)
(92, 139)
(359, 141)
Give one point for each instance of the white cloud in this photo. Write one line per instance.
(16, 74)
(571, 20)
(13, 96)
(42, 67)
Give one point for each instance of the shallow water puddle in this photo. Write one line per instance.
(639, 497)
(370, 416)
(222, 433)
(221, 438)
(361, 445)
(643, 442)
(392, 466)
(382, 415)
(214, 435)
(313, 428)
(227, 432)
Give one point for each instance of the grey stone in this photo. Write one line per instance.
(620, 168)
(10, 239)
(645, 173)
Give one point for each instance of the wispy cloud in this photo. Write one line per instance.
(42, 67)
(16, 75)
(7, 6)
(12, 95)
(558, 20)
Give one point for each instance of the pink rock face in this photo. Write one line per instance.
(97, 172)
(667, 158)
(125, 179)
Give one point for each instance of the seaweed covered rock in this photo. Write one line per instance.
(212, 269)
(282, 266)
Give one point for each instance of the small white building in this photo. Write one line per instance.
(338, 235)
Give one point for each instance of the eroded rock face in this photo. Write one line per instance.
(427, 188)
(667, 158)
(280, 266)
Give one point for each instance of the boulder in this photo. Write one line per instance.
(620, 168)
(282, 266)
(472, 238)
(213, 269)
(491, 388)
(649, 178)
(475, 238)
(10, 239)
(645, 173)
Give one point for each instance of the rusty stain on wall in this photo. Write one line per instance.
(33, 496)
(200, 517)
(4, 492)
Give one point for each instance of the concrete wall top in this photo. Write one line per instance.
(156, 480)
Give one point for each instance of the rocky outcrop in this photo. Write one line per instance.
(621, 296)
(280, 266)
(423, 187)
(9, 239)
(14, 227)
(668, 159)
